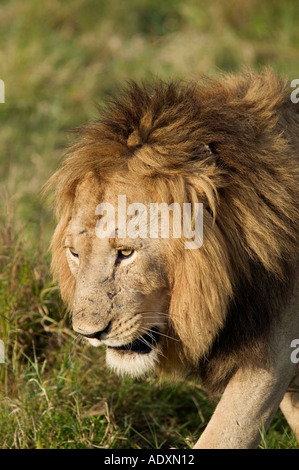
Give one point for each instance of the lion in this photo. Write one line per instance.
(224, 312)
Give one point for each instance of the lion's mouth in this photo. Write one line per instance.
(142, 345)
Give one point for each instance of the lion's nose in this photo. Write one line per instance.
(98, 334)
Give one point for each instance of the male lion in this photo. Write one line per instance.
(226, 311)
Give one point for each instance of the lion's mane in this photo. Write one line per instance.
(228, 143)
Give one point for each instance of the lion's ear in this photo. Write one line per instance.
(207, 150)
(213, 148)
(206, 153)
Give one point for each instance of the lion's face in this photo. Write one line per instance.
(121, 294)
(148, 299)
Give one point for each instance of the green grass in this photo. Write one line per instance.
(58, 59)
(81, 406)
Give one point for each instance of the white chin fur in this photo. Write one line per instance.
(94, 342)
(131, 363)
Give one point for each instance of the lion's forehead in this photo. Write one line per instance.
(134, 192)
(93, 195)
(87, 195)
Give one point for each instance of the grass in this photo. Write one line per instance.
(58, 59)
(82, 406)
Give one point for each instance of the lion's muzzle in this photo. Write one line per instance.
(99, 335)
(142, 345)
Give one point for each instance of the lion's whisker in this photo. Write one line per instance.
(169, 337)
(154, 311)
(159, 313)
(149, 344)
(149, 331)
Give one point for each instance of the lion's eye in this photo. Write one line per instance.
(74, 253)
(125, 253)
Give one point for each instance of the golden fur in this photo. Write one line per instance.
(231, 144)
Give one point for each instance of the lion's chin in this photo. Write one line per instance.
(131, 363)
(136, 358)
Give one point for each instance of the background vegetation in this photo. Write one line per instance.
(58, 59)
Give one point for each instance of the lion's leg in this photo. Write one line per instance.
(252, 397)
(290, 406)
(248, 404)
